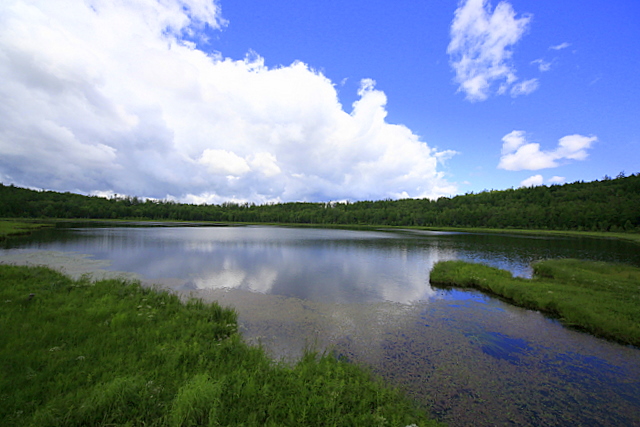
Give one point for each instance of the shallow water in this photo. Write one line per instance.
(366, 297)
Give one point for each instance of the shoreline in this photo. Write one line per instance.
(24, 226)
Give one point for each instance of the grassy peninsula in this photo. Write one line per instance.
(600, 298)
(16, 228)
(112, 353)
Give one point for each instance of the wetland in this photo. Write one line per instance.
(365, 297)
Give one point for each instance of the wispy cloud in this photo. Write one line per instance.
(480, 48)
(543, 65)
(560, 46)
(519, 154)
(112, 98)
(524, 88)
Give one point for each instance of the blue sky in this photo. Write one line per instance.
(257, 101)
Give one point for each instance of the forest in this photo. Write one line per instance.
(610, 204)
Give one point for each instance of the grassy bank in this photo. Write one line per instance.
(112, 353)
(16, 228)
(633, 237)
(600, 298)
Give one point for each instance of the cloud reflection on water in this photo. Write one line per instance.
(321, 271)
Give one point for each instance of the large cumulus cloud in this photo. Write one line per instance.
(110, 96)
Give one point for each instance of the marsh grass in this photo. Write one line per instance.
(16, 228)
(74, 352)
(600, 298)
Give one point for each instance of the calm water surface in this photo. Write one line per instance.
(365, 296)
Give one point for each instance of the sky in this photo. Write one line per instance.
(203, 101)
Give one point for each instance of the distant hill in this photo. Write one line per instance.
(606, 205)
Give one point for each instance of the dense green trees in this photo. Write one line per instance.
(607, 205)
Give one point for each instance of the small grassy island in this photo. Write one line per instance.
(597, 297)
(75, 352)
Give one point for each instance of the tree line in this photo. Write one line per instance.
(611, 204)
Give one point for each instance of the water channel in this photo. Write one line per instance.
(365, 296)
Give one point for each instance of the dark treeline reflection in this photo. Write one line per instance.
(607, 205)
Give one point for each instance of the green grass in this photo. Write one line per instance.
(597, 297)
(15, 228)
(110, 353)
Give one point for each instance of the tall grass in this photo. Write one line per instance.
(598, 297)
(74, 353)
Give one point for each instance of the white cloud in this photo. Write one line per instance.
(532, 181)
(106, 97)
(223, 162)
(543, 65)
(519, 154)
(524, 88)
(556, 180)
(574, 146)
(480, 48)
(266, 164)
(537, 180)
(560, 46)
(512, 141)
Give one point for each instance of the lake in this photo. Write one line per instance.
(365, 297)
